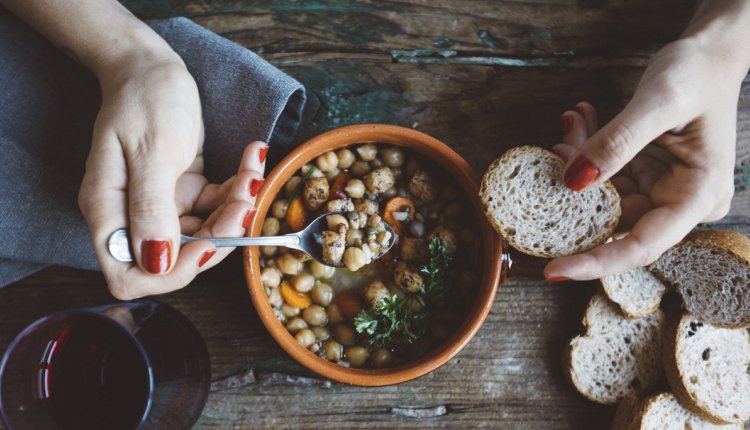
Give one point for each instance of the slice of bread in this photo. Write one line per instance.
(711, 271)
(707, 367)
(616, 355)
(637, 291)
(627, 408)
(527, 202)
(661, 412)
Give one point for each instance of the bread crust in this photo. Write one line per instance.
(730, 242)
(485, 189)
(676, 376)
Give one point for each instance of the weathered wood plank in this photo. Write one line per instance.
(510, 373)
(470, 27)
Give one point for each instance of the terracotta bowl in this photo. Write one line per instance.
(495, 265)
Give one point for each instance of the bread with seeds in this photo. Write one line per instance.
(707, 367)
(525, 199)
(616, 356)
(711, 271)
(637, 291)
(661, 412)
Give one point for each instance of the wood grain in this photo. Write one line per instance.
(482, 76)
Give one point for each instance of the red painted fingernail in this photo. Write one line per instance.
(156, 255)
(255, 185)
(206, 256)
(262, 153)
(557, 279)
(566, 123)
(248, 218)
(580, 174)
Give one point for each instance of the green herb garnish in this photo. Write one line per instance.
(395, 315)
(436, 269)
(392, 315)
(299, 187)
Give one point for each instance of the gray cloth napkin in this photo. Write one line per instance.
(48, 105)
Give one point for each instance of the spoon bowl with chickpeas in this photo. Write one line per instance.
(407, 267)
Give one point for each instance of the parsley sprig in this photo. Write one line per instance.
(436, 269)
(392, 315)
(395, 314)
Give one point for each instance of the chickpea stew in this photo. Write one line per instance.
(373, 314)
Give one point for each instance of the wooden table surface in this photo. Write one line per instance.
(481, 75)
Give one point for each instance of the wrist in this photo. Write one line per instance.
(721, 30)
(139, 46)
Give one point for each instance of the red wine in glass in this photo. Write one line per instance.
(133, 365)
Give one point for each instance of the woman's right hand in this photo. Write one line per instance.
(670, 153)
(145, 173)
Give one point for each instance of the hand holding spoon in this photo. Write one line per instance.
(306, 240)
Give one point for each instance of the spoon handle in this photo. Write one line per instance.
(289, 240)
(120, 248)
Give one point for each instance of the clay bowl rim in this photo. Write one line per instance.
(492, 246)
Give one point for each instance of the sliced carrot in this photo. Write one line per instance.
(337, 189)
(296, 214)
(398, 204)
(349, 304)
(294, 297)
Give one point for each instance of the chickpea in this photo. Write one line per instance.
(327, 161)
(336, 219)
(288, 264)
(315, 315)
(333, 351)
(321, 271)
(315, 174)
(345, 158)
(354, 237)
(390, 192)
(305, 337)
(271, 226)
(274, 298)
(392, 157)
(356, 355)
(315, 347)
(334, 313)
(381, 357)
(296, 324)
(354, 258)
(271, 277)
(268, 251)
(355, 188)
(291, 185)
(344, 334)
(322, 294)
(278, 209)
(303, 282)
(376, 163)
(321, 333)
(367, 152)
(331, 174)
(289, 311)
(360, 168)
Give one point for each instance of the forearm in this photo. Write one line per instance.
(723, 28)
(100, 34)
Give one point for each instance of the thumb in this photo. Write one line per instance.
(614, 145)
(153, 218)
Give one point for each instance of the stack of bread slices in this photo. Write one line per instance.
(630, 342)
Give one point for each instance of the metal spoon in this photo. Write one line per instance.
(306, 240)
